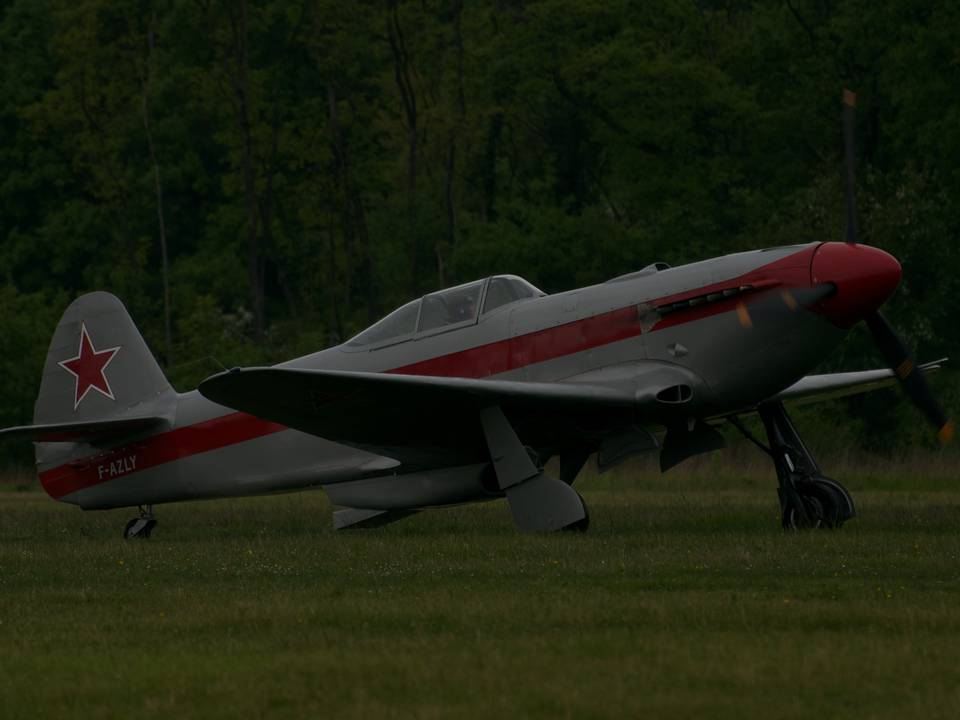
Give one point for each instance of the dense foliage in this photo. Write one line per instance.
(261, 179)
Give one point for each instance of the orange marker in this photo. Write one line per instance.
(945, 434)
(744, 315)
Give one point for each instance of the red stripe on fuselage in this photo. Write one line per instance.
(578, 335)
(482, 361)
(155, 450)
(513, 353)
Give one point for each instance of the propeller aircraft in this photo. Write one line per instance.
(464, 394)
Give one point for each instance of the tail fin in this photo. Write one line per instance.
(99, 379)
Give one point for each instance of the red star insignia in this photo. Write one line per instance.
(88, 366)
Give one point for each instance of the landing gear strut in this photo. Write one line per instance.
(142, 525)
(808, 499)
(538, 502)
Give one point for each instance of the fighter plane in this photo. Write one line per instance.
(464, 394)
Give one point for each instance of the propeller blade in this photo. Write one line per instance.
(912, 380)
(849, 111)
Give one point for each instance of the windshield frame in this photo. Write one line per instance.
(478, 317)
(351, 346)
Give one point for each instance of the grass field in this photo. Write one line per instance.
(685, 599)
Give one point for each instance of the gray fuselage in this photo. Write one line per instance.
(592, 333)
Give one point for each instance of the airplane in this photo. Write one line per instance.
(464, 394)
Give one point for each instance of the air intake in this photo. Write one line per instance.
(675, 394)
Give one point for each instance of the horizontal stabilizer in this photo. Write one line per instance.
(90, 431)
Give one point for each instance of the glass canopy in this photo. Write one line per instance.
(454, 307)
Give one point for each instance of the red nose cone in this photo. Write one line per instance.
(864, 276)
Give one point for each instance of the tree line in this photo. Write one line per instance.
(258, 179)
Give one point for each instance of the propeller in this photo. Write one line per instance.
(849, 110)
(894, 351)
(912, 379)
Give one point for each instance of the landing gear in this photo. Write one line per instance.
(817, 502)
(142, 525)
(538, 502)
(808, 499)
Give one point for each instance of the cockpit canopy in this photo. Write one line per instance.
(453, 307)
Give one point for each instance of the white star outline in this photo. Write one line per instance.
(103, 369)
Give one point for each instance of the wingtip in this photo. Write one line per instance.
(222, 387)
(209, 385)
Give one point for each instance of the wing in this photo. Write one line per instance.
(814, 388)
(395, 414)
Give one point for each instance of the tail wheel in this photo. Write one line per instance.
(139, 527)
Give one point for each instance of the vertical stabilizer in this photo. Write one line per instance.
(99, 368)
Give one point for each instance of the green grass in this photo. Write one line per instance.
(684, 599)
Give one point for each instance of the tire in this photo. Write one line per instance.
(128, 533)
(822, 503)
(128, 528)
(812, 517)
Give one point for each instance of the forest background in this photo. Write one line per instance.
(258, 180)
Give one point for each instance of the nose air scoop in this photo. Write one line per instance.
(864, 277)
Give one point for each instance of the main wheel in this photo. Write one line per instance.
(822, 507)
